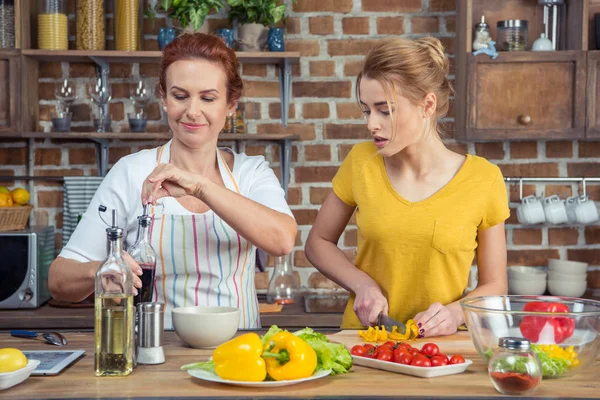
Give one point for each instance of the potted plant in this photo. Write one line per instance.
(191, 14)
(255, 18)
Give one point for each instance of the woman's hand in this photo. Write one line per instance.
(137, 272)
(167, 180)
(437, 320)
(368, 304)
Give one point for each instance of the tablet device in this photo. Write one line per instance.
(52, 362)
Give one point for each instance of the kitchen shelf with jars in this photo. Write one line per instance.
(37, 31)
(522, 69)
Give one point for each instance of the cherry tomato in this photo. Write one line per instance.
(398, 353)
(390, 343)
(405, 346)
(445, 357)
(457, 359)
(421, 361)
(385, 356)
(430, 349)
(414, 352)
(383, 348)
(368, 346)
(437, 361)
(405, 359)
(358, 350)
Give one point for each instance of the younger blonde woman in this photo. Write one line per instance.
(422, 210)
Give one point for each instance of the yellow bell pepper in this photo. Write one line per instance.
(375, 334)
(289, 357)
(240, 359)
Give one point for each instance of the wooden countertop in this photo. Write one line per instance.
(48, 317)
(168, 381)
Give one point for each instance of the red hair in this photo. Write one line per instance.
(190, 46)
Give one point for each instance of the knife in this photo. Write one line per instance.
(388, 323)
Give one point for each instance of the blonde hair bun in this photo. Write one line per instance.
(435, 48)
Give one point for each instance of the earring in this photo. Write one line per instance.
(231, 114)
(165, 108)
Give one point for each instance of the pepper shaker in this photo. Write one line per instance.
(150, 333)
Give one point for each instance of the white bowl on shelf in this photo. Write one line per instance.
(531, 288)
(558, 276)
(567, 267)
(525, 273)
(567, 288)
(10, 379)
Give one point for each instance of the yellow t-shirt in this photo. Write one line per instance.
(418, 252)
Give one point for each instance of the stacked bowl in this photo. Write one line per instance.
(567, 278)
(526, 281)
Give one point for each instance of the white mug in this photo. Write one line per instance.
(554, 210)
(531, 211)
(570, 205)
(585, 210)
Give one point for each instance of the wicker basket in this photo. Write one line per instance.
(14, 218)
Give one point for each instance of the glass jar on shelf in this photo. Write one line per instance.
(53, 25)
(127, 29)
(283, 287)
(7, 24)
(512, 35)
(90, 25)
(514, 368)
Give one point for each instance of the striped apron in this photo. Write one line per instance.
(202, 261)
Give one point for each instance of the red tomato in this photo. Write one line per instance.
(384, 348)
(385, 356)
(358, 350)
(389, 343)
(398, 353)
(421, 361)
(457, 359)
(437, 361)
(445, 357)
(414, 352)
(405, 359)
(405, 346)
(368, 346)
(430, 349)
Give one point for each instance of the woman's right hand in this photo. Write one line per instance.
(137, 272)
(368, 304)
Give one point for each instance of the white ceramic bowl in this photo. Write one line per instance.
(567, 267)
(205, 327)
(521, 287)
(567, 288)
(557, 276)
(10, 379)
(525, 273)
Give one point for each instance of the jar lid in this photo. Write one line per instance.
(514, 343)
(512, 23)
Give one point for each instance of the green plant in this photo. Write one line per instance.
(187, 12)
(265, 12)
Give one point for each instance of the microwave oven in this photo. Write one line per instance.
(25, 258)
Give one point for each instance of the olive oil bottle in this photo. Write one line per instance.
(114, 313)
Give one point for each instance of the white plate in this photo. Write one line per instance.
(212, 377)
(422, 372)
(10, 379)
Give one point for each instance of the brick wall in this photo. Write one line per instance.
(332, 36)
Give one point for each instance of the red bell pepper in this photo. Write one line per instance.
(531, 326)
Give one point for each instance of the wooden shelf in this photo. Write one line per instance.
(149, 136)
(149, 56)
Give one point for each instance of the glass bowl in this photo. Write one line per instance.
(556, 335)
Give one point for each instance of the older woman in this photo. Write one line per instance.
(211, 207)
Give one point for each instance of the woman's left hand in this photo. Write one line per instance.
(437, 320)
(167, 180)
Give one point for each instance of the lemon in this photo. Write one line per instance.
(11, 360)
(5, 200)
(20, 196)
(4, 189)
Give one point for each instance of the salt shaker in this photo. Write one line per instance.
(151, 318)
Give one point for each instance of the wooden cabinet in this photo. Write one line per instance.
(526, 95)
(593, 95)
(9, 92)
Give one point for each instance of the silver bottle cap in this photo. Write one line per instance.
(514, 343)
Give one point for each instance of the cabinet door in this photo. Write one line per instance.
(9, 93)
(528, 95)
(592, 127)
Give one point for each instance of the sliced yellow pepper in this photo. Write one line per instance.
(377, 334)
(374, 334)
(289, 357)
